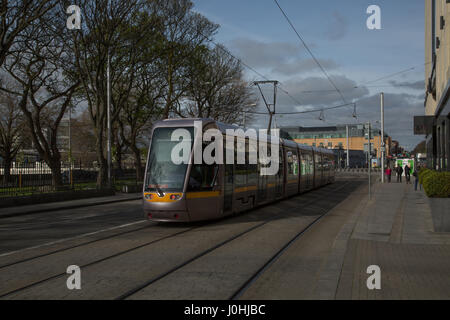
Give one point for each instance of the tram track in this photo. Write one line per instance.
(95, 262)
(71, 247)
(274, 258)
(221, 244)
(171, 270)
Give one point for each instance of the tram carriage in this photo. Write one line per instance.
(194, 192)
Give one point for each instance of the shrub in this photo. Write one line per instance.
(423, 172)
(436, 184)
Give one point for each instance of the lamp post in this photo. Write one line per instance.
(382, 137)
(108, 112)
(348, 148)
(108, 106)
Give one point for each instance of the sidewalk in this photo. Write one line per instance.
(65, 205)
(407, 235)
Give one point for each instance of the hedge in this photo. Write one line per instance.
(423, 172)
(435, 183)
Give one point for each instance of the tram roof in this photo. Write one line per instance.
(188, 122)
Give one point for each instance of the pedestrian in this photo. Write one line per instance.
(416, 180)
(399, 173)
(407, 174)
(388, 174)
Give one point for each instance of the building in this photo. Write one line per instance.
(435, 124)
(335, 137)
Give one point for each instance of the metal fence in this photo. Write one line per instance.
(30, 178)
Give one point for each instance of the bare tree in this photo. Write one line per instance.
(83, 139)
(184, 31)
(140, 88)
(216, 87)
(98, 39)
(37, 63)
(138, 113)
(15, 17)
(11, 128)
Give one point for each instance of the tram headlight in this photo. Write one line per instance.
(174, 197)
(148, 196)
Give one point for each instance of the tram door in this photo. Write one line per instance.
(263, 181)
(228, 178)
(279, 191)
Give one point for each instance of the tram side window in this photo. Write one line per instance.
(281, 166)
(292, 163)
(203, 177)
(304, 162)
(252, 168)
(311, 163)
(240, 172)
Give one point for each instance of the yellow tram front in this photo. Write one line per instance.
(178, 191)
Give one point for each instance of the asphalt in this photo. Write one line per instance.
(398, 229)
(112, 266)
(48, 223)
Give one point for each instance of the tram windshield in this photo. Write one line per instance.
(162, 174)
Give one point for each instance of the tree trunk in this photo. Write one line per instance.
(119, 159)
(7, 170)
(55, 167)
(102, 178)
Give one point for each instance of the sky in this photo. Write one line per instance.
(256, 32)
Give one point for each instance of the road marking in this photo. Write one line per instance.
(73, 238)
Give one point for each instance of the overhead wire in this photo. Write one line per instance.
(310, 52)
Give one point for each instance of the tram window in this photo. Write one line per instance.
(304, 164)
(252, 169)
(203, 177)
(292, 163)
(240, 169)
(281, 166)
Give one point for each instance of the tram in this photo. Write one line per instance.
(192, 191)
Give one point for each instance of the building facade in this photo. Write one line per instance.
(436, 123)
(335, 137)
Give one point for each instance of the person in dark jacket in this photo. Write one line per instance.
(407, 174)
(416, 180)
(399, 173)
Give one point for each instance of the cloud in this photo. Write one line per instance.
(318, 91)
(337, 27)
(416, 85)
(281, 58)
(301, 66)
(263, 54)
(400, 108)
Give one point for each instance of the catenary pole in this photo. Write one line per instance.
(348, 148)
(382, 138)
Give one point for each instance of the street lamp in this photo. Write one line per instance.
(382, 137)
